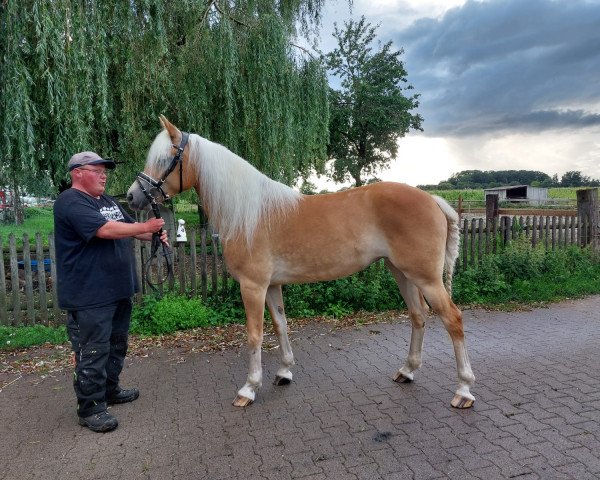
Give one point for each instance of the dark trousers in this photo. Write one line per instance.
(99, 339)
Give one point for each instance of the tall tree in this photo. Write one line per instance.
(573, 179)
(95, 75)
(371, 110)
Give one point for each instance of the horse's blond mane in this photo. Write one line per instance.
(236, 195)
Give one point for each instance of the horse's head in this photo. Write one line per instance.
(167, 169)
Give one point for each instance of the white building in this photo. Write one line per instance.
(519, 193)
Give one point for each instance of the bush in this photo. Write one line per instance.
(169, 314)
(373, 289)
(481, 282)
(525, 274)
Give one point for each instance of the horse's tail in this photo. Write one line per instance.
(452, 240)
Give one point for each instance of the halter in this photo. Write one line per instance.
(157, 185)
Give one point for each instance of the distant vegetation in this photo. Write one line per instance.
(477, 194)
(478, 179)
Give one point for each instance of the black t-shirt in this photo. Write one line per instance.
(91, 271)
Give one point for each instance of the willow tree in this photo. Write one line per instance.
(95, 75)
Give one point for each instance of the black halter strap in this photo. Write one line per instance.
(157, 184)
(143, 178)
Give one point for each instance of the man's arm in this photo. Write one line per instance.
(141, 231)
(164, 237)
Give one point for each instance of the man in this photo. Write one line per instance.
(96, 280)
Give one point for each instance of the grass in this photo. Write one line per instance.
(12, 338)
(37, 220)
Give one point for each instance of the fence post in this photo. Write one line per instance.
(137, 253)
(3, 313)
(41, 271)
(587, 209)
(203, 274)
(491, 205)
(14, 275)
(465, 244)
(29, 303)
(193, 262)
(52, 248)
(505, 228)
(472, 242)
(181, 266)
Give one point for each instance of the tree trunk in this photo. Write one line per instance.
(17, 205)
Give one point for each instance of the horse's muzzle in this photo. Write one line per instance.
(137, 201)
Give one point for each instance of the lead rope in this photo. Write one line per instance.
(156, 244)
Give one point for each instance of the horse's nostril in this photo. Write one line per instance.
(129, 197)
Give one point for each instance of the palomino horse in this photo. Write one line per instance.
(273, 235)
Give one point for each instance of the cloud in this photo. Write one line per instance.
(505, 66)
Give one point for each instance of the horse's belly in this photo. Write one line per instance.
(327, 263)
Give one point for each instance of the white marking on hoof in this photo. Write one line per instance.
(462, 402)
(240, 401)
(245, 396)
(463, 398)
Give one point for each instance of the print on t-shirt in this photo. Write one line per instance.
(112, 213)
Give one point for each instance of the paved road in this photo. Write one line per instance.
(537, 413)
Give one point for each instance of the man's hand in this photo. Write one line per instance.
(164, 238)
(153, 225)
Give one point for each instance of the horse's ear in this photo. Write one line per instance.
(163, 120)
(169, 127)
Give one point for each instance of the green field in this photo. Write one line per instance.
(566, 193)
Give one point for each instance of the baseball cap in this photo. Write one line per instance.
(89, 158)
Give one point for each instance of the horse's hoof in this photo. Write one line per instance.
(281, 381)
(241, 401)
(402, 378)
(462, 402)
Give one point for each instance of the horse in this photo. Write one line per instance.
(272, 236)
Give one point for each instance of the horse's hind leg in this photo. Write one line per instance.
(253, 296)
(274, 301)
(416, 311)
(443, 305)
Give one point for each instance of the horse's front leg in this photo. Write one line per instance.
(275, 304)
(253, 296)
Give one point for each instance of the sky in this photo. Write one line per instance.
(503, 84)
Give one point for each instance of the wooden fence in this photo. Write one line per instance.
(552, 228)
(482, 236)
(28, 275)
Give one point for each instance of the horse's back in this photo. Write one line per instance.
(379, 205)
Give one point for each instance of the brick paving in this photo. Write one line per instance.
(537, 414)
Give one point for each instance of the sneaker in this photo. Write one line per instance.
(122, 396)
(99, 422)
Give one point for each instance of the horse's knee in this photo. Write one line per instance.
(417, 319)
(454, 324)
(254, 341)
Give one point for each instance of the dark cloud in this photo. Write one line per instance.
(506, 65)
